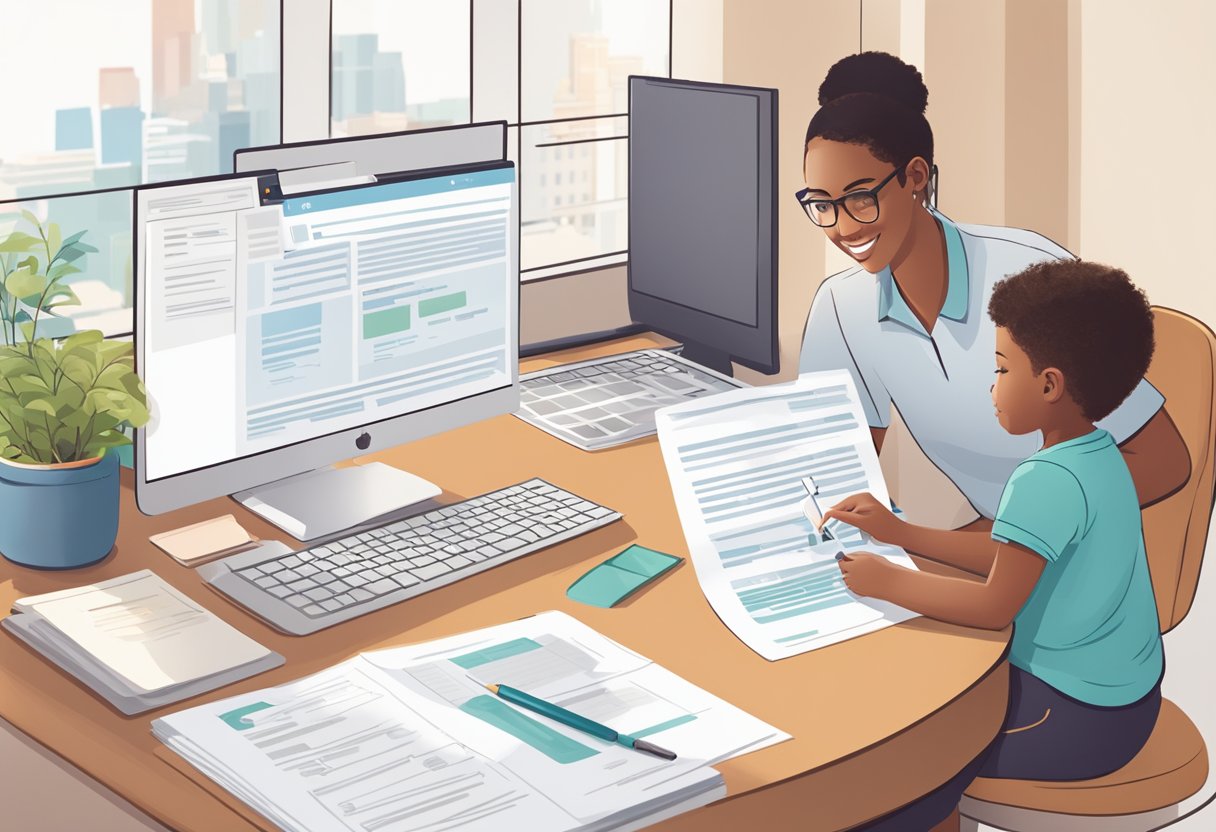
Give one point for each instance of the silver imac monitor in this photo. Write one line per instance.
(277, 336)
(387, 153)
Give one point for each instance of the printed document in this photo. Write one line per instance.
(136, 641)
(737, 462)
(409, 739)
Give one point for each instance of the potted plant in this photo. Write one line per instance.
(63, 406)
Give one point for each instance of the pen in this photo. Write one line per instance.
(572, 719)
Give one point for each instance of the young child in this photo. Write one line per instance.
(1065, 560)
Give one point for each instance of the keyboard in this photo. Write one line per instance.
(302, 592)
(606, 402)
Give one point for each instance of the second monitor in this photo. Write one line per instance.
(703, 218)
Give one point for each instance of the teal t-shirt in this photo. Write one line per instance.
(1089, 628)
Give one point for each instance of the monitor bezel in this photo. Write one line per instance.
(227, 477)
(681, 322)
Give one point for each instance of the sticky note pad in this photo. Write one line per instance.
(620, 576)
(205, 541)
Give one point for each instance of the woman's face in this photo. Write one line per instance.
(833, 169)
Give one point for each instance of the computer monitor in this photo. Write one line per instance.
(703, 218)
(276, 338)
(386, 153)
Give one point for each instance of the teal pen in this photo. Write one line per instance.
(572, 719)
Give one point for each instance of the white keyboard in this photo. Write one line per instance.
(609, 401)
(302, 592)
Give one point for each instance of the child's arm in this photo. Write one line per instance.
(990, 605)
(970, 550)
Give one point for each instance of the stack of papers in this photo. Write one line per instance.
(409, 739)
(137, 641)
(737, 464)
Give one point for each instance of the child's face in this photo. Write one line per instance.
(1018, 393)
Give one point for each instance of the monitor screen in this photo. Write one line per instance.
(702, 217)
(265, 325)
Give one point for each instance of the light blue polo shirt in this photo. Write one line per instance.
(1089, 628)
(940, 383)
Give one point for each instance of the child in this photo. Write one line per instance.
(1065, 560)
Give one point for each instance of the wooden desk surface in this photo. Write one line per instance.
(876, 721)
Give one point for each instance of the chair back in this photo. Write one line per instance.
(1176, 529)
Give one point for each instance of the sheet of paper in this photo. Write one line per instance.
(145, 630)
(736, 464)
(341, 751)
(559, 659)
(262, 235)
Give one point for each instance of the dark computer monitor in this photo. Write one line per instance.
(703, 218)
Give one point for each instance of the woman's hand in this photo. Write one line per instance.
(867, 574)
(868, 514)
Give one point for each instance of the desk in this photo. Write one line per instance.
(877, 721)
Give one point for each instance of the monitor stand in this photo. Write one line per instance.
(330, 500)
(709, 357)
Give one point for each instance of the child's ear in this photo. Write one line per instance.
(1053, 384)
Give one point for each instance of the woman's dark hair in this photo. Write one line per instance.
(1088, 320)
(876, 100)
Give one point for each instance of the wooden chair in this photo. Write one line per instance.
(1150, 791)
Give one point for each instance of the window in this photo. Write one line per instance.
(555, 70)
(399, 65)
(138, 93)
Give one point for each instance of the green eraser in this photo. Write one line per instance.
(620, 576)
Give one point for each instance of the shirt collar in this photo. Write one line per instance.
(891, 304)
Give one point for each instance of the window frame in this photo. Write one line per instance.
(551, 271)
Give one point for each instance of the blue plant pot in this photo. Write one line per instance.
(59, 518)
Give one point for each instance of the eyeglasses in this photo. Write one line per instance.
(860, 205)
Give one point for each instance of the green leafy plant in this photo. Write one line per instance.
(60, 401)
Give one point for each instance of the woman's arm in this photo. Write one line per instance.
(1158, 459)
(990, 605)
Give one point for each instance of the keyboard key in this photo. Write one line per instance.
(458, 562)
(382, 586)
(432, 570)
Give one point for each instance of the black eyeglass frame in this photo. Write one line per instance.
(840, 202)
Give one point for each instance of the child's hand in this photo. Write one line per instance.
(866, 574)
(868, 514)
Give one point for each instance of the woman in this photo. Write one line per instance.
(910, 321)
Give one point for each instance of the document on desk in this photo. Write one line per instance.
(408, 739)
(137, 641)
(736, 464)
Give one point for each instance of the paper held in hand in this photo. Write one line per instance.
(737, 463)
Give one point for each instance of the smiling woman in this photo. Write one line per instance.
(910, 321)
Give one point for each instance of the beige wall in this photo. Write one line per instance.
(1148, 132)
(789, 44)
(965, 71)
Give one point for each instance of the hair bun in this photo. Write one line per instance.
(879, 73)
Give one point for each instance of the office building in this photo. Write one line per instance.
(63, 171)
(117, 87)
(122, 135)
(389, 73)
(354, 75)
(233, 132)
(74, 129)
(172, 49)
(173, 150)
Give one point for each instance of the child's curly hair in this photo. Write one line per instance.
(1086, 319)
